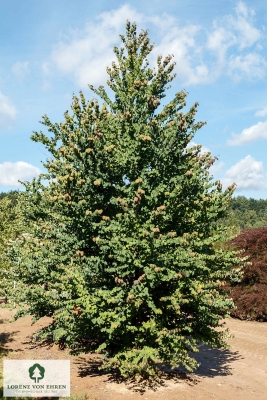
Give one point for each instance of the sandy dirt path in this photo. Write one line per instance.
(238, 373)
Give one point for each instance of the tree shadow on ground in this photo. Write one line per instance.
(39, 343)
(89, 366)
(6, 337)
(213, 362)
(3, 352)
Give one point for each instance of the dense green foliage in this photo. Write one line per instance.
(120, 251)
(10, 228)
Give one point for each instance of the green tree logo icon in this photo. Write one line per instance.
(36, 372)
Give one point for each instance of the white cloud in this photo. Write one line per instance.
(249, 66)
(7, 112)
(247, 174)
(215, 168)
(86, 54)
(230, 47)
(229, 40)
(234, 30)
(218, 42)
(261, 113)
(251, 134)
(10, 173)
(181, 42)
(20, 69)
(247, 34)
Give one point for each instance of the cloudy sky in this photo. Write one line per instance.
(52, 49)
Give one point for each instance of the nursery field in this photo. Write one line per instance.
(238, 373)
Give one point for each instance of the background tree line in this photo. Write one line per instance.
(247, 213)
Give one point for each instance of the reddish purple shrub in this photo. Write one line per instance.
(250, 295)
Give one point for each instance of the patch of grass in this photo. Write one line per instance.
(77, 397)
(6, 305)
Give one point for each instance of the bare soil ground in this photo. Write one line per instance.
(239, 373)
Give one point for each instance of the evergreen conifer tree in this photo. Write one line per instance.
(121, 246)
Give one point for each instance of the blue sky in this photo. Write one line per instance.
(52, 49)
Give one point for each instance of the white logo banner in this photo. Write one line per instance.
(36, 378)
